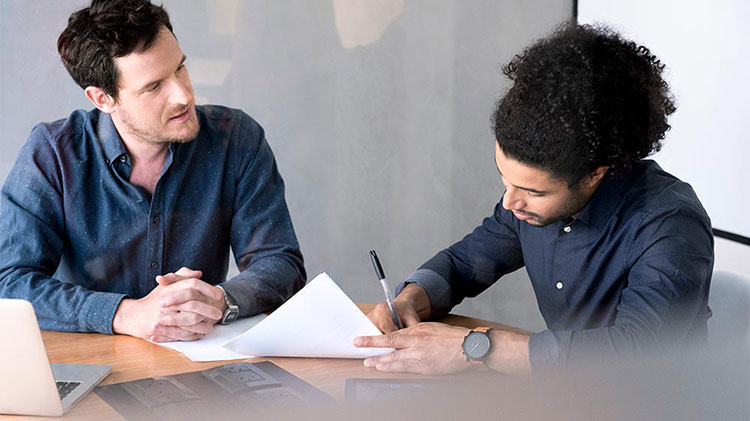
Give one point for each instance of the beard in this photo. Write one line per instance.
(570, 210)
(154, 136)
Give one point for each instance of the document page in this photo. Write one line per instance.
(209, 348)
(319, 321)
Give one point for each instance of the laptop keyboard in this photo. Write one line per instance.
(64, 388)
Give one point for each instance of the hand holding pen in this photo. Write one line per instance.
(386, 289)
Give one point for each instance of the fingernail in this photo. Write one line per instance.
(368, 362)
(358, 341)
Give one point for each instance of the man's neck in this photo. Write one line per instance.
(146, 160)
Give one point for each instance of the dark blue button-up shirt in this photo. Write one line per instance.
(631, 274)
(76, 237)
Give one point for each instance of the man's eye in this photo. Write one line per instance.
(532, 194)
(153, 87)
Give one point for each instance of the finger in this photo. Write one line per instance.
(396, 355)
(190, 290)
(167, 279)
(405, 365)
(209, 291)
(176, 333)
(174, 317)
(160, 339)
(389, 340)
(382, 322)
(189, 273)
(204, 328)
(204, 310)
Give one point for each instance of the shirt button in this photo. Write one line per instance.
(123, 159)
(156, 219)
(559, 285)
(107, 161)
(155, 265)
(567, 229)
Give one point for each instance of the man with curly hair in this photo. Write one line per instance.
(120, 219)
(619, 252)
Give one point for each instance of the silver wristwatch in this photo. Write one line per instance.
(232, 312)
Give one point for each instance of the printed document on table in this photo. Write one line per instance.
(209, 348)
(320, 321)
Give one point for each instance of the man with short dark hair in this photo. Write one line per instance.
(120, 219)
(619, 252)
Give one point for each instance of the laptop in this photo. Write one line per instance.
(29, 384)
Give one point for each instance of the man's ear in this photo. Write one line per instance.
(593, 178)
(100, 99)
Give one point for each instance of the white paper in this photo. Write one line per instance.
(209, 348)
(320, 321)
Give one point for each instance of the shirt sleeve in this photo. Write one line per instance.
(263, 238)
(671, 261)
(471, 265)
(32, 237)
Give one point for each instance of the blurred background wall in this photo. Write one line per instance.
(377, 111)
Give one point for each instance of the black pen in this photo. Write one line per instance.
(386, 288)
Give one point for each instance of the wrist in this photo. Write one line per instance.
(509, 353)
(223, 300)
(120, 322)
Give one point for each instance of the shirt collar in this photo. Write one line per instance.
(606, 199)
(109, 138)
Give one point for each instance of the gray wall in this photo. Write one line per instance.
(384, 146)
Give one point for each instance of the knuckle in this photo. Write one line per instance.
(154, 328)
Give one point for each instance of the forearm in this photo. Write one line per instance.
(265, 284)
(61, 306)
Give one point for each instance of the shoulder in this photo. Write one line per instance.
(656, 193)
(60, 138)
(662, 208)
(60, 133)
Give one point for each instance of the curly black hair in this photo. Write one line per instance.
(582, 97)
(105, 30)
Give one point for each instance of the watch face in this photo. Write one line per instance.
(476, 345)
(231, 315)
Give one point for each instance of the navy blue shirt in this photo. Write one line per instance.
(630, 275)
(76, 236)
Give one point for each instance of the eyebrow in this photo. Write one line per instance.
(151, 84)
(529, 189)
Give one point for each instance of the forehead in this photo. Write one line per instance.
(139, 68)
(522, 175)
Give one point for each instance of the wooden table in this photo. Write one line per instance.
(133, 359)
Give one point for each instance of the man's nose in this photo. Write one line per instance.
(512, 199)
(179, 92)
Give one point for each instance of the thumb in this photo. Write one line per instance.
(189, 273)
(167, 279)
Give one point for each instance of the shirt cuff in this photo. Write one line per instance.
(544, 351)
(437, 288)
(99, 311)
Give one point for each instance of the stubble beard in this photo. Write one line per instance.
(150, 136)
(573, 207)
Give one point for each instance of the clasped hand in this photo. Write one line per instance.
(181, 308)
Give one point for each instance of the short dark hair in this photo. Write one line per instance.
(105, 30)
(581, 98)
